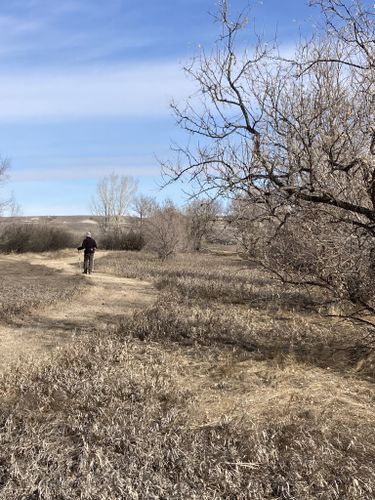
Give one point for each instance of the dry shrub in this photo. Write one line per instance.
(306, 246)
(21, 238)
(122, 240)
(165, 233)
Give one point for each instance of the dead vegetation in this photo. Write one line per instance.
(203, 395)
(25, 287)
(24, 237)
(218, 301)
(118, 420)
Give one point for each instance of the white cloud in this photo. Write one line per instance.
(46, 33)
(139, 90)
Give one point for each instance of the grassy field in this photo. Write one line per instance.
(24, 287)
(229, 386)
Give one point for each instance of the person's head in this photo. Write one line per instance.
(88, 234)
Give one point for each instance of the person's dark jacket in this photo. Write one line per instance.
(88, 245)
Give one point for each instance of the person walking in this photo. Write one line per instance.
(89, 246)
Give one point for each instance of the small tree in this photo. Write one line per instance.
(112, 201)
(143, 207)
(201, 216)
(14, 208)
(4, 166)
(166, 232)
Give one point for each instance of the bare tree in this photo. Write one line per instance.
(294, 141)
(283, 134)
(114, 196)
(201, 215)
(143, 207)
(166, 231)
(4, 167)
(297, 130)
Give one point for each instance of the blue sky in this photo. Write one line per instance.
(85, 87)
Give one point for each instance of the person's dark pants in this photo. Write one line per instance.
(88, 263)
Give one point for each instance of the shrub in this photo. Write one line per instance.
(22, 238)
(166, 233)
(119, 240)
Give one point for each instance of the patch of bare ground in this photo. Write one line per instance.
(46, 303)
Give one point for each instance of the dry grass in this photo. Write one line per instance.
(117, 419)
(221, 277)
(218, 301)
(205, 395)
(25, 287)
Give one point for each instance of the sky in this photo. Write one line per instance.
(85, 87)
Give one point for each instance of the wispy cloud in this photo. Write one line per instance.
(142, 90)
(68, 32)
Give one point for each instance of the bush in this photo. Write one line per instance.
(305, 247)
(166, 234)
(118, 240)
(22, 238)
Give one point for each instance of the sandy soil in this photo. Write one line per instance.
(103, 298)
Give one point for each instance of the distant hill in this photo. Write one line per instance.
(77, 224)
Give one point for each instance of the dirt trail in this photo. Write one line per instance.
(102, 299)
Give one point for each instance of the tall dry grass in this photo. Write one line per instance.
(113, 419)
(208, 394)
(24, 287)
(217, 300)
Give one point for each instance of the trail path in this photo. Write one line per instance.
(102, 299)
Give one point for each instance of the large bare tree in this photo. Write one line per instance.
(287, 133)
(300, 129)
(114, 196)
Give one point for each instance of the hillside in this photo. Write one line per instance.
(77, 224)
